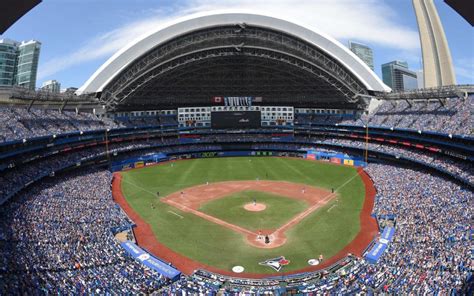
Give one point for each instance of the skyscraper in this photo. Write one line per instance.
(8, 61)
(52, 86)
(397, 75)
(19, 62)
(28, 64)
(364, 52)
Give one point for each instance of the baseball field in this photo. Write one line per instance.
(216, 212)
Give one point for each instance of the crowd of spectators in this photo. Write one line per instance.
(454, 116)
(431, 250)
(19, 123)
(13, 179)
(56, 238)
(462, 169)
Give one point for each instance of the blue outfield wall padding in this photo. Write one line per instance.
(150, 261)
(130, 162)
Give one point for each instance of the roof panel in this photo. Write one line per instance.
(136, 49)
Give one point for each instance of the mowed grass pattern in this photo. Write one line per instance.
(323, 232)
(279, 209)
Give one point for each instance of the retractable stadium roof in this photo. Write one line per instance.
(187, 62)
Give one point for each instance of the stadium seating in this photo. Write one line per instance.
(56, 238)
(19, 123)
(455, 117)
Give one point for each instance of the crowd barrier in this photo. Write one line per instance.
(379, 248)
(150, 261)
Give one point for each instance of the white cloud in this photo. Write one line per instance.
(99, 47)
(371, 21)
(367, 21)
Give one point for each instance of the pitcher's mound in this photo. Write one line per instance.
(255, 207)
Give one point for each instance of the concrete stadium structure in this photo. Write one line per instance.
(240, 54)
(437, 63)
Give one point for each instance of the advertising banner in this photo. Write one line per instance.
(375, 253)
(349, 162)
(387, 235)
(150, 261)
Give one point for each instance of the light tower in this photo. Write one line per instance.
(437, 64)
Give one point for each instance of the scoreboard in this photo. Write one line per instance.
(236, 119)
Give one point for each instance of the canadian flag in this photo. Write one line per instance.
(217, 100)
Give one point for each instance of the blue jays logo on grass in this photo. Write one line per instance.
(276, 263)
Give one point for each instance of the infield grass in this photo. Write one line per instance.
(326, 231)
(279, 209)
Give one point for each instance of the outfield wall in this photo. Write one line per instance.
(142, 161)
(337, 158)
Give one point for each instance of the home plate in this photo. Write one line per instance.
(313, 262)
(237, 269)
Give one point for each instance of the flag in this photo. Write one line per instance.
(217, 100)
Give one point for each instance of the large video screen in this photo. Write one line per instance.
(236, 119)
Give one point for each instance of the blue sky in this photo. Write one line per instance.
(80, 35)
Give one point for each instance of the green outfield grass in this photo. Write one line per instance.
(323, 232)
(279, 209)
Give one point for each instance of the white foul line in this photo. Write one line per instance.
(176, 214)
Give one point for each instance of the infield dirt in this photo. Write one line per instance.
(190, 200)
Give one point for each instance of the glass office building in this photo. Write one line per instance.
(8, 61)
(397, 75)
(52, 86)
(364, 52)
(27, 68)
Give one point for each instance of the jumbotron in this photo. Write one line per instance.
(236, 153)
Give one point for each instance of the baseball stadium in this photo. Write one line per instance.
(235, 153)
